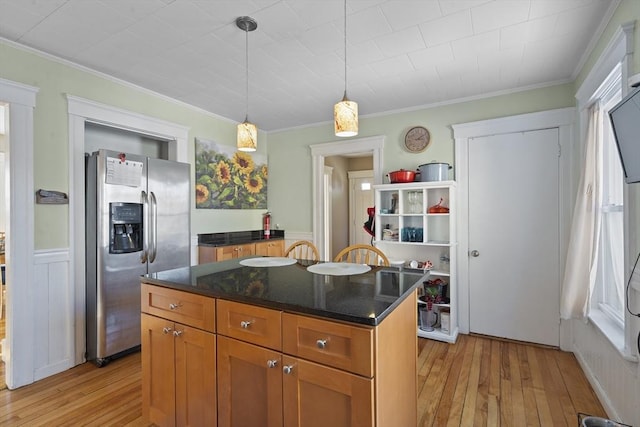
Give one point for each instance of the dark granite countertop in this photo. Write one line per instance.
(237, 237)
(365, 298)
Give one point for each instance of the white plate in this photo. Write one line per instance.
(338, 268)
(269, 261)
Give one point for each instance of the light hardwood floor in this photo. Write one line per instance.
(476, 382)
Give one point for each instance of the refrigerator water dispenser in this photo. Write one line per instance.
(125, 227)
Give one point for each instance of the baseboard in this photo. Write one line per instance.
(597, 388)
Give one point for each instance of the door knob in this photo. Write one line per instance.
(474, 253)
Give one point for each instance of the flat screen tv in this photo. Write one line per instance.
(625, 120)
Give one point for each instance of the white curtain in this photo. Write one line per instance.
(582, 255)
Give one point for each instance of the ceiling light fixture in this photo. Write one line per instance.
(345, 112)
(247, 139)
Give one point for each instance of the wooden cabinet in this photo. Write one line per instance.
(221, 253)
(333, 344)
(270, 248)
(407, 229)
(235, 251)
(318, 396)
(178, 359)
(257, 325)
(249, 365)
(249, 384)
(266, 367)
(327, 373)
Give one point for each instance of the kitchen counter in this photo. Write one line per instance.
(237, 237)
(362, 298)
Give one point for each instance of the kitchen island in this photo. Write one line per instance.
(268, 344)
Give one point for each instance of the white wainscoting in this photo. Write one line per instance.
(53, 310)
(615, 380)
(291, 237)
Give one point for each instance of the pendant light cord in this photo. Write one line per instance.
(246, 42)
(345, 49)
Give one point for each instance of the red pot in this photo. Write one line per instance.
(401, 176)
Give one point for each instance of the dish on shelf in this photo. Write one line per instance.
(397, 263)
(389, 234)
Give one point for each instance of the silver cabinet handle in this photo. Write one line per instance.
(173, 306)
(287, 369)
(272, 363)
(177, 333)
(245, 324)
(166, 330)
(321, 343)
(474, 253)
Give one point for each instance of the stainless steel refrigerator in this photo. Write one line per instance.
(137, 222)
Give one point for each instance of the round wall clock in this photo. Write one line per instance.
(417, 139)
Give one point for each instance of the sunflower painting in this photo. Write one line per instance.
(229, 179)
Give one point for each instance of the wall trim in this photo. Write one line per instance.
(80, 111)
(47, 256)
(463, 133)
(20, 326)
(372, 145)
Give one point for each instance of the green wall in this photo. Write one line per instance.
(290, 180)
(55, 79)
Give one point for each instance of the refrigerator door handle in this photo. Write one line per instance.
(153, 217)
(145, 227)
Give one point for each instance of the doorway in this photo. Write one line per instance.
(19, 101)
(3, 227)
(466, 134)
(359, 147)
(361, 197)
(344, 219)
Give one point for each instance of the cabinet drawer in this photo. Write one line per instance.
(257, 325)
(334, 344)
(184, 307)
(224, 253)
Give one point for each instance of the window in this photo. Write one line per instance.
(608, 295)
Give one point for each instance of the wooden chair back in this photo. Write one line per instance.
(303, 249)
(362, 254)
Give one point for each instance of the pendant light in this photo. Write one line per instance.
(247, 139)
(345, 112)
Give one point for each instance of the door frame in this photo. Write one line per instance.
(355, 175)
(463, 133)
(372, 145)
(20, 321)
(82, 110)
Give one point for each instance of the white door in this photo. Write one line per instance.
(514, 283)
(360, 198)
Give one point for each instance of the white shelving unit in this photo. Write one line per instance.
(405, 230)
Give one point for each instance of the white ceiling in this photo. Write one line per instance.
(400, 54)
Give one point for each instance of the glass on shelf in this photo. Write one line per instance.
(444, 263)
(412, 234)
(415, 201)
